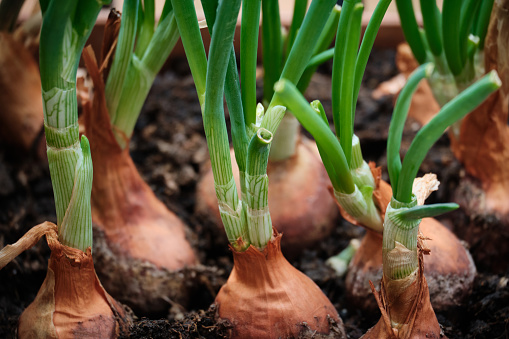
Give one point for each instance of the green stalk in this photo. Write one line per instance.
(146, 27)
(140, 76)
(231, 208)
(453, 111)
(451, 13)
(398, 121)
(257, 182)
(483, 20)
(299, 10)
(248, 57)
(329, 31)
(291, 97)
(468, 12)
(122, 59)
(411, 30)
(65, 29)
(233, 100)
(432, 22)
(271, 46)
(301, 51)
(339, 60)
(426, 211)
(318, 108)
(324, 41)
(187, 23)
(399, 244)
(309, 33)
(347, 108)
(76, 227)
(317, 60)
(367, 44)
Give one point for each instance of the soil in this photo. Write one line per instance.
(169, 148)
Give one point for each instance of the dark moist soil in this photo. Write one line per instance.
(169, 149)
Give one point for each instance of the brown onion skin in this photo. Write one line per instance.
(71, 302)
(411, 307)
(266, 297)
(298, 199)
(483, 149)
(136, 224)
(21, 112)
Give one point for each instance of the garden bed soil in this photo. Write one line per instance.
(169, 149)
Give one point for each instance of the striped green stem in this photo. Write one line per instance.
(399, 244)
(140, 75)
(76, 227)
(123, 51)
(257, 183)
(360, 205)
(65, 29)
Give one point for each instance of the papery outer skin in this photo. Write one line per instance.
(301, 208)
(450, 281)
(483, 144)
(420, 321)
(71, 303)
(266, 297)
(136, 224)
(21, 113)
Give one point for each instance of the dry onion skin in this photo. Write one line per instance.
(266, 297)
(71, 302)
(21, 113)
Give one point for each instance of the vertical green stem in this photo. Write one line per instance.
(187, 22)
(299, 10)
(367, 44)
(324, 41)
(271, 46)
(432, 22)
(411, 30)
(125, 46)
(451, 12)
(248, 55)
(347, 104)
(257, 182)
